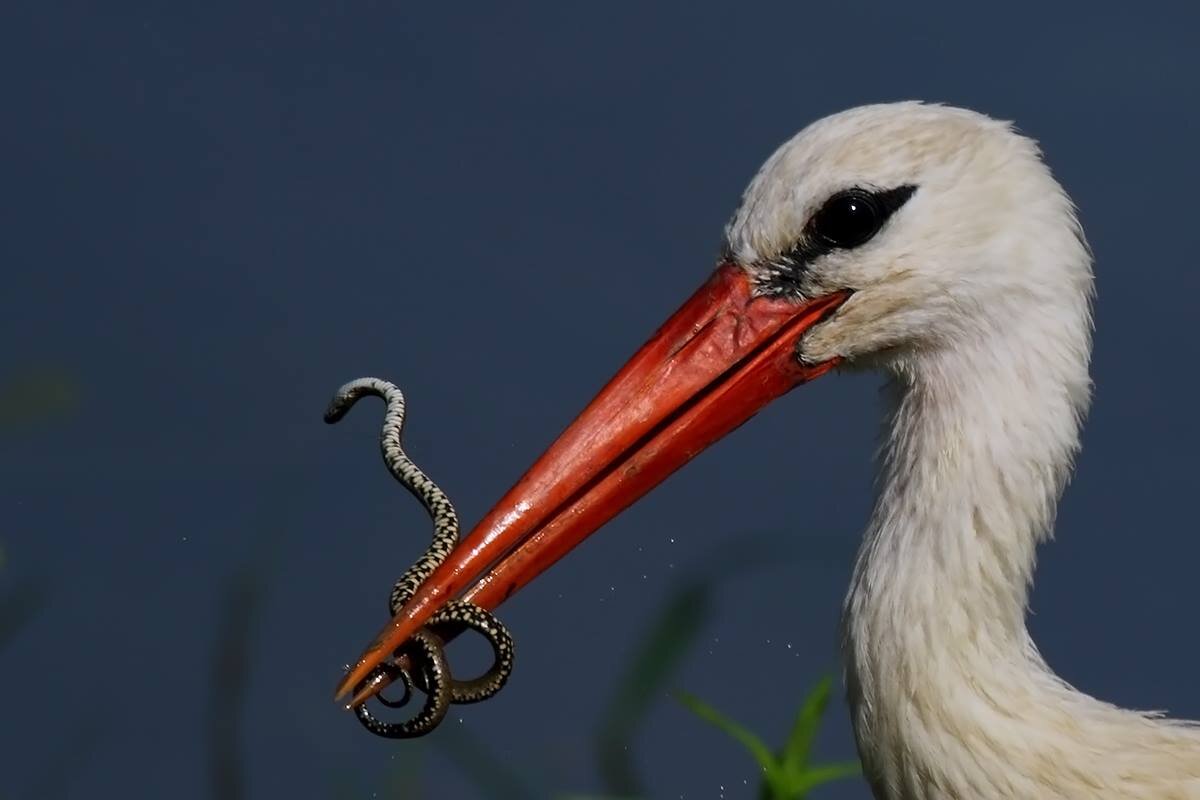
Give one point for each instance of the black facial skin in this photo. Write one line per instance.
(847, 220)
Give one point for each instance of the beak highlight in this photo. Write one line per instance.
(722, 357)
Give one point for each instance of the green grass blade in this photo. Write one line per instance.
(827, 773)
(756, 746)
(798, 748)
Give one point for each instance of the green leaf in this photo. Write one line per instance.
(798, 747)
(827, 773)
(757, 748)
(787, 777)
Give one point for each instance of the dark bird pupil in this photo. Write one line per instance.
(848, 219)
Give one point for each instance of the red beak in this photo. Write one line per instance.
(714, 364)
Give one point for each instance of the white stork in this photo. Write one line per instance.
(933, 244)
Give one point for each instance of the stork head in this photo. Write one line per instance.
(944, 223)
(877, 235)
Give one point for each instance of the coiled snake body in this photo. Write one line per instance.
(425, 651)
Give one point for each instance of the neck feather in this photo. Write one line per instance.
(949, 695)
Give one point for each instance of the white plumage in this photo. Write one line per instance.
(975, 299)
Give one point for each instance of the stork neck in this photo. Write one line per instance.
(980, 442)
(979, 445)
(978, 449)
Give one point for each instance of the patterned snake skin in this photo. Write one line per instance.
(425, 651)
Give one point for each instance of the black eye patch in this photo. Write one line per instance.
(847, 220)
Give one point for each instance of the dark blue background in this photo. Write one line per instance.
(213, 214)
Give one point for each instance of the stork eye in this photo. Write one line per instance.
(851, 218)
(848, 219)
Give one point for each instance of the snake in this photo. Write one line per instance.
(425, 653)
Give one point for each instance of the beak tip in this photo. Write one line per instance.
(344, 688)
(356, 675)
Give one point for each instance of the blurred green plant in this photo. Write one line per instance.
(403, 780)
(36, 396)
(239, 617)
(31, 397)
(241, 600)
(788, 773)
(56, 776)
(18, 607)
(657, 658)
